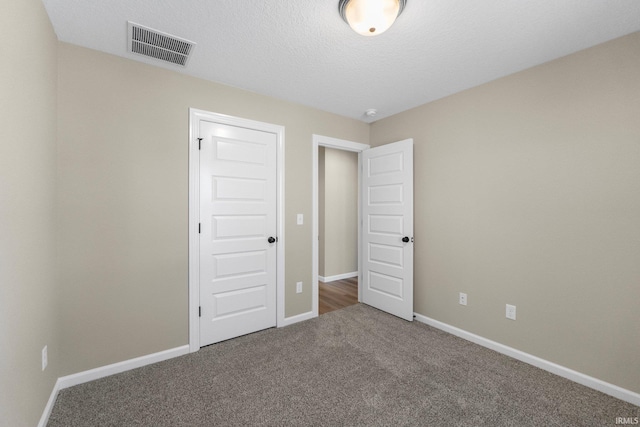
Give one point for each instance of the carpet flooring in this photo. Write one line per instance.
(351, 367)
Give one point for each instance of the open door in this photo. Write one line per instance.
(387, 228)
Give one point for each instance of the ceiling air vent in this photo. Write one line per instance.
(156, 44)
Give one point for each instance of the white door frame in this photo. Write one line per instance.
(339, 144)
(195, 116)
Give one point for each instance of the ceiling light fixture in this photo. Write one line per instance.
(370, 17)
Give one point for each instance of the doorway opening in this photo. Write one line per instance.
(385, 224)
(336, 224)
(337, 229)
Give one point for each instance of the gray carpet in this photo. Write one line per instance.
(356, 367)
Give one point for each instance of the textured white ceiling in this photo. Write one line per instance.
(302, 51)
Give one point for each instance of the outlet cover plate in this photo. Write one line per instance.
(511, 312)
(462, 298)
(298, 287)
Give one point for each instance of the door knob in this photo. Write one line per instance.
(271, 239)
(405, 239)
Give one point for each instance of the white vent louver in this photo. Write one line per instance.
(156, 44)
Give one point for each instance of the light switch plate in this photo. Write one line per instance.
(300, 219)
(45, 358)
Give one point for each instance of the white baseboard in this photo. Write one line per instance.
(295, 319)
(105, 371)
(327, 279)
(44, 419)
(116, 368)
(570, 374)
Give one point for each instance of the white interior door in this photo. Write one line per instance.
(237, 231)
(387, 228)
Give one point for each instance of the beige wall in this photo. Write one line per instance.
(340, 217)
(528, 192)
(28, 308)
(123, 190)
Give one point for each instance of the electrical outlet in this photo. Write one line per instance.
(300, 219)
(511, 312)
(299, 287)
(462, 299)
(45, 359)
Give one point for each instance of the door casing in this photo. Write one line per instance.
(195, 116)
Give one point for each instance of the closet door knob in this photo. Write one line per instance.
(405, 239)
(271, 240)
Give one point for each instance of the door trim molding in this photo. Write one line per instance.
(339, 144)
(195, 116)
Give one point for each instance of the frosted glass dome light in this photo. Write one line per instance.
(370, 17)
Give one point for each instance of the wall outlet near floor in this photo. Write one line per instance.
(45, 358)
(462, 299)
(299, 287)
(511, 312)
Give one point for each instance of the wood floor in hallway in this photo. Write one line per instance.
(337, 294)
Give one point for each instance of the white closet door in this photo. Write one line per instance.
(237, 231)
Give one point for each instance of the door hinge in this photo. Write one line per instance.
(199, 143)
(199, 228)
(200, 311)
